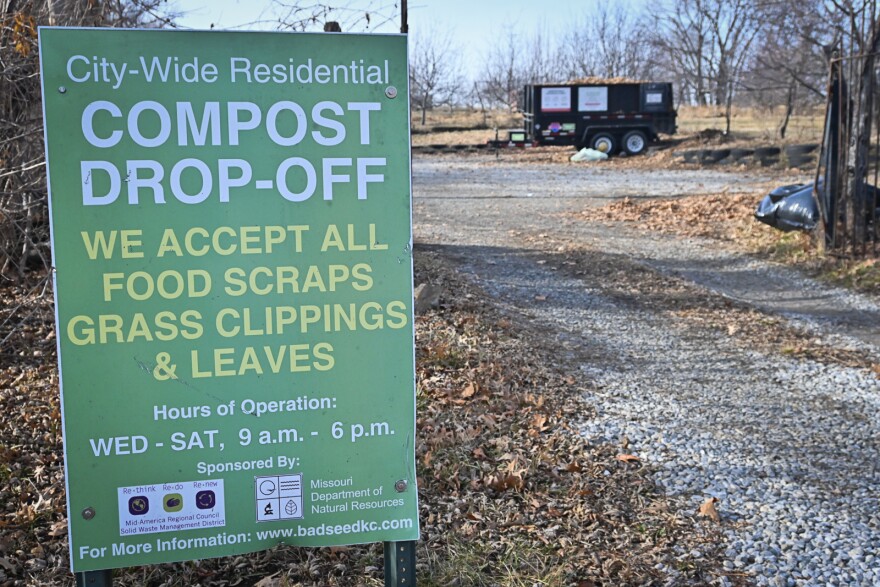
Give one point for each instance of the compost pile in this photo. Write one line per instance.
(610, 81)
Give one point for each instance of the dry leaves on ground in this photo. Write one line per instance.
(708, 510)
(518, 496)
(634, 284)
(510, 493)
(722, 216)
(729, 217)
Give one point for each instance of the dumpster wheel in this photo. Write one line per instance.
(604, 143)
(635, 142)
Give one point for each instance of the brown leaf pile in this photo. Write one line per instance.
(713, 215)
(32, 497)
(611, 81)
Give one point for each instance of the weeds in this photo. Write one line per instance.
(473, 562)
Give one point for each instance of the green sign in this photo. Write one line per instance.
(231, 232)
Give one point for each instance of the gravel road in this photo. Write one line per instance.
(790, 446)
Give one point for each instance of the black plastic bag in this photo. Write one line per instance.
(790, 207)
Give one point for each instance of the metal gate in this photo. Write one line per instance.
(849, 165)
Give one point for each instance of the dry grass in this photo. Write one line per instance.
(749, 126)
(465, 118)
(465, 137)
(752, 123)
(462, 126)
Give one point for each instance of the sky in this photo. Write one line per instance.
(473, 25)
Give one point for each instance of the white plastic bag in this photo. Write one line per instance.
(588, 155)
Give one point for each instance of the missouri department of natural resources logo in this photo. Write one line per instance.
(279, 497)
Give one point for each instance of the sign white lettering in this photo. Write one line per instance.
(593, 99)
(555, 99)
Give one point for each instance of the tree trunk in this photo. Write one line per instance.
(855, 197)
(728, 108)
(7, 6)
(479, 96)
(701, 98)
(858, 160)
(789, 108)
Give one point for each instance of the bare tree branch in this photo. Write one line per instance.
(434, 72)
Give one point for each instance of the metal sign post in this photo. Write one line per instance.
(95, 579)
(400, 564)
(400, 557)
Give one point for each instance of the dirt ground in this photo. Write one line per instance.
(637, 208)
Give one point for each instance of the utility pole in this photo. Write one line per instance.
(404, 18)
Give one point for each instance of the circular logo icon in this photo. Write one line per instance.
(138, 505)
(206, 500)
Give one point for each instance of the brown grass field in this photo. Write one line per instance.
(752, 123)
(748, 125)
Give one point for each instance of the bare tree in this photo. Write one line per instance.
(517, 61)
(136, 13)
(679, 36)
(541, 57)
(504, 74)
(733, 27)
(709, 43)
(605, 44)
(434, 72)
(24, 225)
(351, 16)
(789, 65)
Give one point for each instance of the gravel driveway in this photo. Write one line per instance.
(790, 446)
